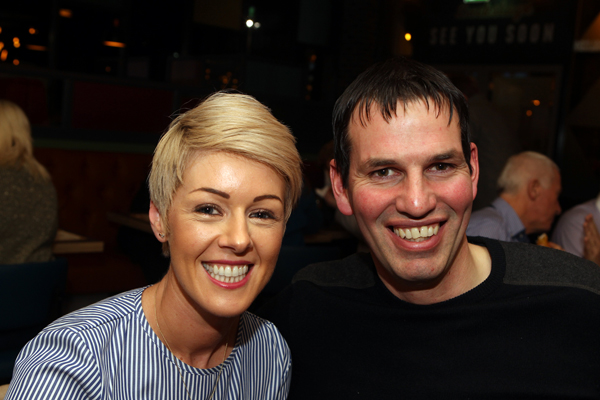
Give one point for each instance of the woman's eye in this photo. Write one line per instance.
(263, 214)
(209, 210)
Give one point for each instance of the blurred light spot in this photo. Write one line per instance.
(249, 23)
(407, 36)
(114, 44)
(65, 13)
(32, 31)
(16, 42)
(529, 113)
(36, 47)
(3, 55)
(257, 25)
(536, 103)
(15, 62)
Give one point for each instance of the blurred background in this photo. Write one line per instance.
(100, 81)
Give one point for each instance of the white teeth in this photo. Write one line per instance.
(417, 233)
(226, 273)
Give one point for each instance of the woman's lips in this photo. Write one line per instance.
(227, 273)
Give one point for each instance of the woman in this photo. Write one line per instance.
(224, 179)
(28, 216)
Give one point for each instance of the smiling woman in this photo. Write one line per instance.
(220, 198)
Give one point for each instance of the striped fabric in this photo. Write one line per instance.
(109, 351)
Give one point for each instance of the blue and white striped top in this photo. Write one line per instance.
(109, 351)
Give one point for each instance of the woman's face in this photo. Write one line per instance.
(226, 226)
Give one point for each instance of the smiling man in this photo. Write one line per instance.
(428, 314)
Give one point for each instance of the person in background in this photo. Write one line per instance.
(528, 203)
(220, 198)
(28, 203)
(430, 313)
(577, 230)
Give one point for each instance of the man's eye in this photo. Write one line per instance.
(383, 172)
(440, 167)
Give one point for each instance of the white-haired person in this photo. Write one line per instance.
(529, 188)
(28, 216)
(224, 179)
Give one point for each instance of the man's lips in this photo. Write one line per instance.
(417, 234)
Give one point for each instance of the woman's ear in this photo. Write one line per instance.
(158, 227)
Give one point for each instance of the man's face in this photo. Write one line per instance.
(546, 206)
(411, 192)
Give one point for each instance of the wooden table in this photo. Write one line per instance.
(69, 243)
(141, 222)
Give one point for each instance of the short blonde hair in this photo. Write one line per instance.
(521, 168)
(234, 123)
(16, 147)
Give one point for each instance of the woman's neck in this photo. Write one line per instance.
(190, 333)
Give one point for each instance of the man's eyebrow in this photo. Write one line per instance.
(214, 191)
(446, 156)
(267, 196)
(379, 162)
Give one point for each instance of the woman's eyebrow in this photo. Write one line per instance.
(267, 196)
(213, 191)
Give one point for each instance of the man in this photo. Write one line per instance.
(528, 202)
(577, 230)
(428, 314)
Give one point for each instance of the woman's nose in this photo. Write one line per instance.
(236, 235)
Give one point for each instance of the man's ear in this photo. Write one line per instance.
(340, 193)
(156, 223)
(533, 189)
(474, 168)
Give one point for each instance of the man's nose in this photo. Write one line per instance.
(236, 234)
(415, 197)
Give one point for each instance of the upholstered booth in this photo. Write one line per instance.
(89, 184)
(30, 298)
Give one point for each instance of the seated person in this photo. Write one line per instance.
(28, 204)
(577, 224)
(528, 201)
(220, 198)
(429, 313)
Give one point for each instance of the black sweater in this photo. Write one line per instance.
(530, 330)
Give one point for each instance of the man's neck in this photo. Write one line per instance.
(471, 267)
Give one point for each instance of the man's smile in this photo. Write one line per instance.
(417, 234)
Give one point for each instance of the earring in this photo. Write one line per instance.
(162, 235)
